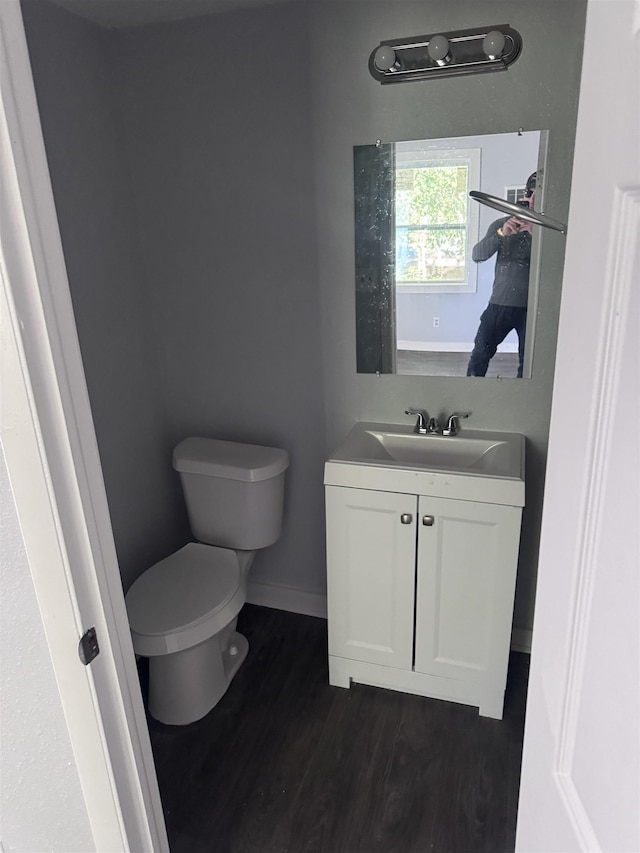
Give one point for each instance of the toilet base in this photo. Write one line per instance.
(184, 686)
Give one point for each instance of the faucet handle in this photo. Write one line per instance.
(421, 423)
(452, 424)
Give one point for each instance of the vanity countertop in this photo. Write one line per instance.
(479, 465)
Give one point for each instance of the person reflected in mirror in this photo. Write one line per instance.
(509, 238)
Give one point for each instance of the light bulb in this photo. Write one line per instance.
(493, 44)
(385, 58)
(438, 50)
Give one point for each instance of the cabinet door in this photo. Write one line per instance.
(371, 542)
(467, 559)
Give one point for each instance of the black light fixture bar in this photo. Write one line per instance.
(445, 54)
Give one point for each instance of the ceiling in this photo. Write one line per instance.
(132, 13)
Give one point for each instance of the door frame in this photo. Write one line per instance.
(56, 478)
(579, 784)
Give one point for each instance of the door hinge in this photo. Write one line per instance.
(88, 648)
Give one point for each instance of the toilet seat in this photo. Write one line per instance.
(184, 599)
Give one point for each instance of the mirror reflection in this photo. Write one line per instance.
(443, 283)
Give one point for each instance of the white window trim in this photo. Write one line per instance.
(413, 155)
(518, 190)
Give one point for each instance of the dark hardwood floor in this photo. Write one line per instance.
(287, 763)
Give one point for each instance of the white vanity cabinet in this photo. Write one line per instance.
(420, 593)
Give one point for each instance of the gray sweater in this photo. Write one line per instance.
(511, 282)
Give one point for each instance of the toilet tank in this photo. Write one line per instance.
(234, 492)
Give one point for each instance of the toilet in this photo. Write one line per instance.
(183, 610)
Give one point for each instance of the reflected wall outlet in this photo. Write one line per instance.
(436, 322)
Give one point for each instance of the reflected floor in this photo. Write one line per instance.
(415, 363)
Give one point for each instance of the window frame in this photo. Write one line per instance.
(409, 156)
(515, 193)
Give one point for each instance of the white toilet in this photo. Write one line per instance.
(183, 610)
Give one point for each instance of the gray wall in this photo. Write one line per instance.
(78, 99)
(238, 280)
(222, 153)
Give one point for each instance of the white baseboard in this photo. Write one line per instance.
(287, 598)
(521, 640)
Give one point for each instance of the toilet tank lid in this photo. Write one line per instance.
(229, 459)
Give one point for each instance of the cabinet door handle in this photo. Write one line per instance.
(428, 520)
(406, 518)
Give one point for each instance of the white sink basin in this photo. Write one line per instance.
(452, 453)
(475, 465)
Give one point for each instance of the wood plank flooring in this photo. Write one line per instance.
(414, 363)
(287, 764)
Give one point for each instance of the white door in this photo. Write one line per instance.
(580, 786)
(371, 555)
(56, 483)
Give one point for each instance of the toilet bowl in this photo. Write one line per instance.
(183, 610)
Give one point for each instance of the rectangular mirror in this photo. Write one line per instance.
(420, 294)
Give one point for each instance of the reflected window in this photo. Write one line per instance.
(435, 224)
(515, 194)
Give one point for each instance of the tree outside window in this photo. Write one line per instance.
(434, 220)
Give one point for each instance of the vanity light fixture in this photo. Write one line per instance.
(445, 54)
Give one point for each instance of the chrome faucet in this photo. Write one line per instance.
(453, 424)
(421, 423)
(424, 425)
(432, 427)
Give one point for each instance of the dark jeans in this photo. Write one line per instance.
(495, 324)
